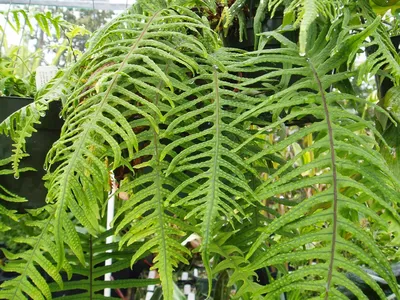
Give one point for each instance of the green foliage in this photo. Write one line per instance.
(198, 135)
(42, 278)
(340, 161)
(18, 63)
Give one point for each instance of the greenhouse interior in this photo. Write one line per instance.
(200, 149)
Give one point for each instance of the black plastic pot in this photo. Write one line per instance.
(232, 39)
(30, 184)
(269, 24)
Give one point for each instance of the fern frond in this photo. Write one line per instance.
(115, 83)
(113, 78)
(233, 259)
(351, 176)
(146, 216)
(150, 219)
(118, 82)
(8, 196)
(233, 12)
(305, 11)
(19, 126)
(215, 187)
(382, 54)
(230, 248)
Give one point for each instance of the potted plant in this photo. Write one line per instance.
(21, 75)
(158, 103)
(18, 84)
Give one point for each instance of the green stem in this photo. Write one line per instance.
(334, 181)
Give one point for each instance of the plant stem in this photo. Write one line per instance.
(334, 180)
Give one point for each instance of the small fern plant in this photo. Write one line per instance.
(197, 136)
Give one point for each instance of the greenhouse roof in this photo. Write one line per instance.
(89, 4)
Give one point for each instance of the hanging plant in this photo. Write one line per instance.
(159, 101)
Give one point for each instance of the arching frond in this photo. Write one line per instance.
(380, 49)
(213, 178)
(145, 216)
(115, 83)
(353, 181)
(122, 63)
(20, 126)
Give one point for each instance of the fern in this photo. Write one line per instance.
(7, 196)
(39, 276)
(198, 136)
(149, 218)
(215, 186)
(145, 214)
(96, 254)
(110, 95)
(305, 13)
(20, 126)
(42, 255)
(351, 175)
(384, 54)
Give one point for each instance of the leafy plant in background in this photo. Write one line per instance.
(17, 78)
(197, 137)
(20, 62)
